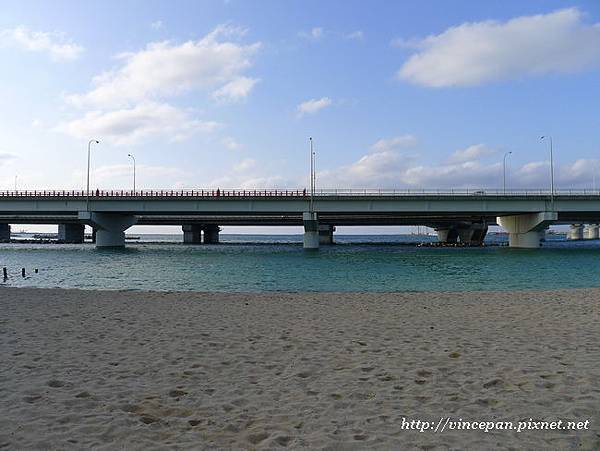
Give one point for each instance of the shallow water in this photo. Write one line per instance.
(278, 263)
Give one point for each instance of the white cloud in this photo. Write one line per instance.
(132, 125)
(250, 181)
(235, 90)
(245, 165)
(355, 35)
(472, 153)
(313, 106)
(479, 52)
(231, 143)
(164, 69)
(4, 157)
(156, 25)
(386, 167)
(52, 43)
(403, 141)
(315, 33)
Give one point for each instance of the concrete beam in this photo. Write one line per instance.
(326, 233)
(311, 230)
(527, 230)
(211, 234)
(71, 233)
(110, 227)
(4, 233)
(192, 233)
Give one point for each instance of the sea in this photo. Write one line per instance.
(258, 263)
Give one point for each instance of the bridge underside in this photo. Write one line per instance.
(341, 219)
(457, 218)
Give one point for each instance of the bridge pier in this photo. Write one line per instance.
(447, 235)
(110, 227)
(326, 233)
(192, 233)
(527, 230)
(71, 233)
(591, 232)
(211, 234)
(4, 233)
(311, 230)
(575, 232)
(473, 234)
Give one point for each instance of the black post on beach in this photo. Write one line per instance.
(5, 273)
(23, 272)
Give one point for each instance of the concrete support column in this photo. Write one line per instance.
(527, 230)
(192, 233)
(326, 233)
(311, 230)
(447, 235)
(591, 232)
(94, 231)
(575, 232)
(110, 227)
(474, 234)
(211, 234)
(4, 233)
(71, 233)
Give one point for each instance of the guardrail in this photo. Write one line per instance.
(94, 194)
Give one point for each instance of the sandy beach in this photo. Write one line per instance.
(140, 370)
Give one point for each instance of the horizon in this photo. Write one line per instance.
(226, 94)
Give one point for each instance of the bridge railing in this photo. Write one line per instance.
(217, 192)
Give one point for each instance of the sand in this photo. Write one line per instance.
(138, 370)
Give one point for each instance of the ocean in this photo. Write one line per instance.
(254, 263)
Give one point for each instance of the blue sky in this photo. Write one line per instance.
(427, 94)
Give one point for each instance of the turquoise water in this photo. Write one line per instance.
(278, 263)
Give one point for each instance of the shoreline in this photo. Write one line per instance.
(315, 370)
(261, 294)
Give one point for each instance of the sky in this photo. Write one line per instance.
(206, 94)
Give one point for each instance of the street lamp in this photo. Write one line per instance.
(551, 170)
(133, 158)
(312, 174)
(504, 171)
(88, 171)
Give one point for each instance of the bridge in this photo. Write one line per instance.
(457, 215)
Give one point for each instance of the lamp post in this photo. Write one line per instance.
(133, 158)
(551, 170)
(312, 175)
(504, 171)
(87, 191)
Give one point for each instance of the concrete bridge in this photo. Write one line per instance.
(457, 215)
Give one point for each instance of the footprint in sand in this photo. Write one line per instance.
(282, 440)
(493, 383)
(257, 437)
(55, 383)
(177, 393)
(83, 394)
(148, 419)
